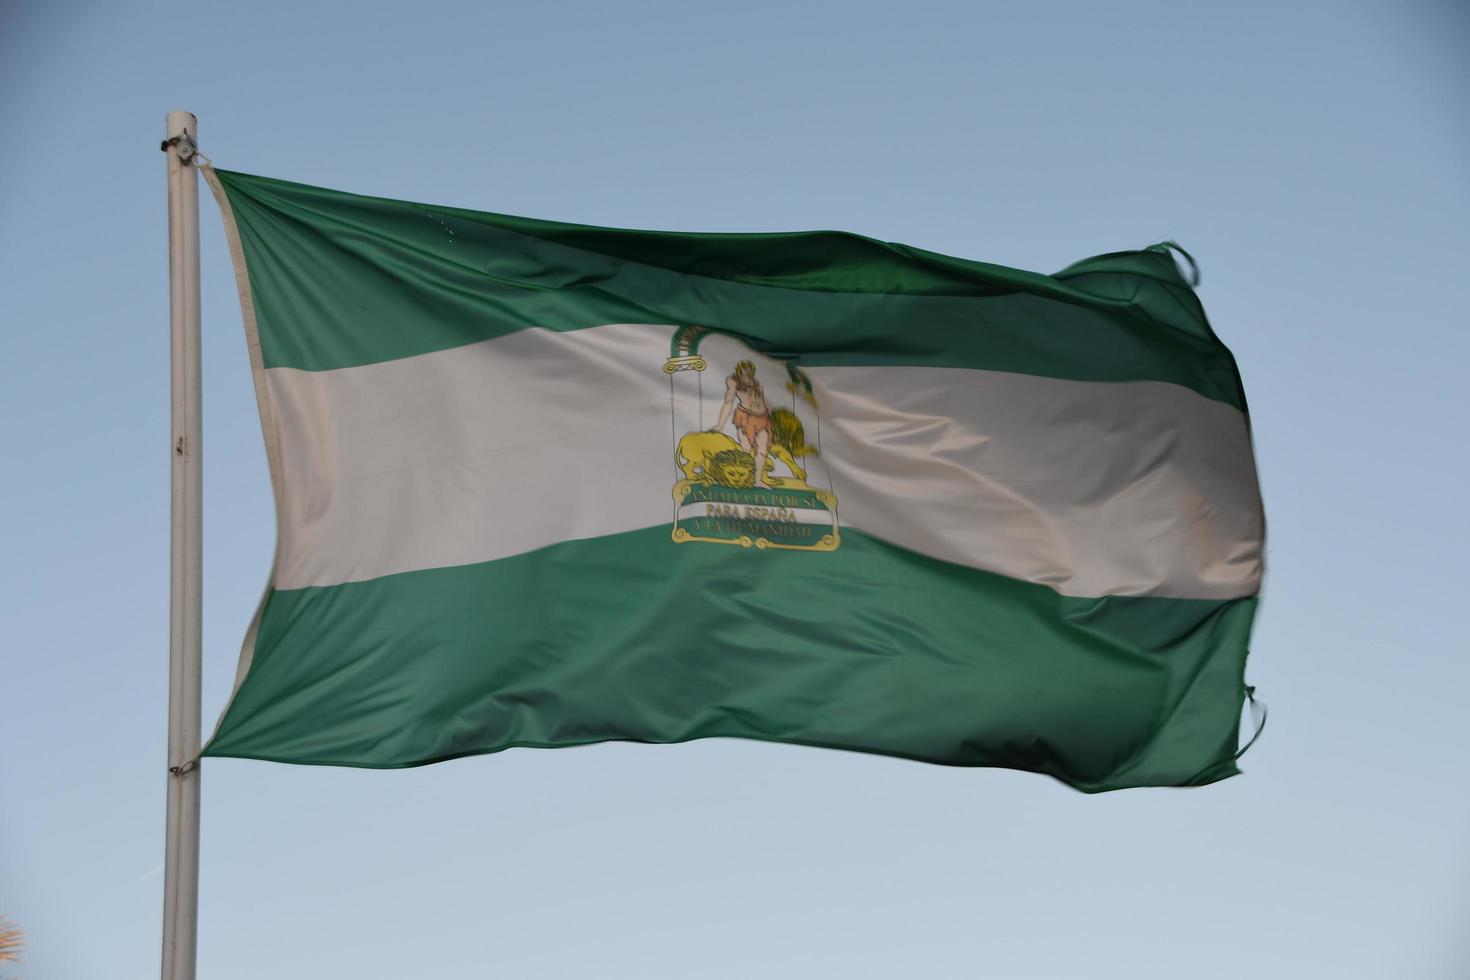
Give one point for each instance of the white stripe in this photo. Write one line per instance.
(1137, 488)
(505, 446)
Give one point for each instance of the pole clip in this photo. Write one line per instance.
(184, 143)
(185, 769)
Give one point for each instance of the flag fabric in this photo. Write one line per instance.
(545, 484)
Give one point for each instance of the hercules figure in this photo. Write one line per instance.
(752, 416)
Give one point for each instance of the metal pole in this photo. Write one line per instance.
(181, 854)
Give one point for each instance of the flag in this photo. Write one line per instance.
(546, 484)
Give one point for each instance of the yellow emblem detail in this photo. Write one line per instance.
(746, 479)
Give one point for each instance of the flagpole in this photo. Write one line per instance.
(181, 839)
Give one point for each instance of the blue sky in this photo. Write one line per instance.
(1314, 156)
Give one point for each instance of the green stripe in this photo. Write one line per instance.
(341, 280)
(631, 637)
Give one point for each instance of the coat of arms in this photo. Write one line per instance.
(751, 477)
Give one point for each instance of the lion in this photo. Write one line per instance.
(698, 450)
(788, 440)
(731, 468)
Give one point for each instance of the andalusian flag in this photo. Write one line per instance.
(542, 484)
